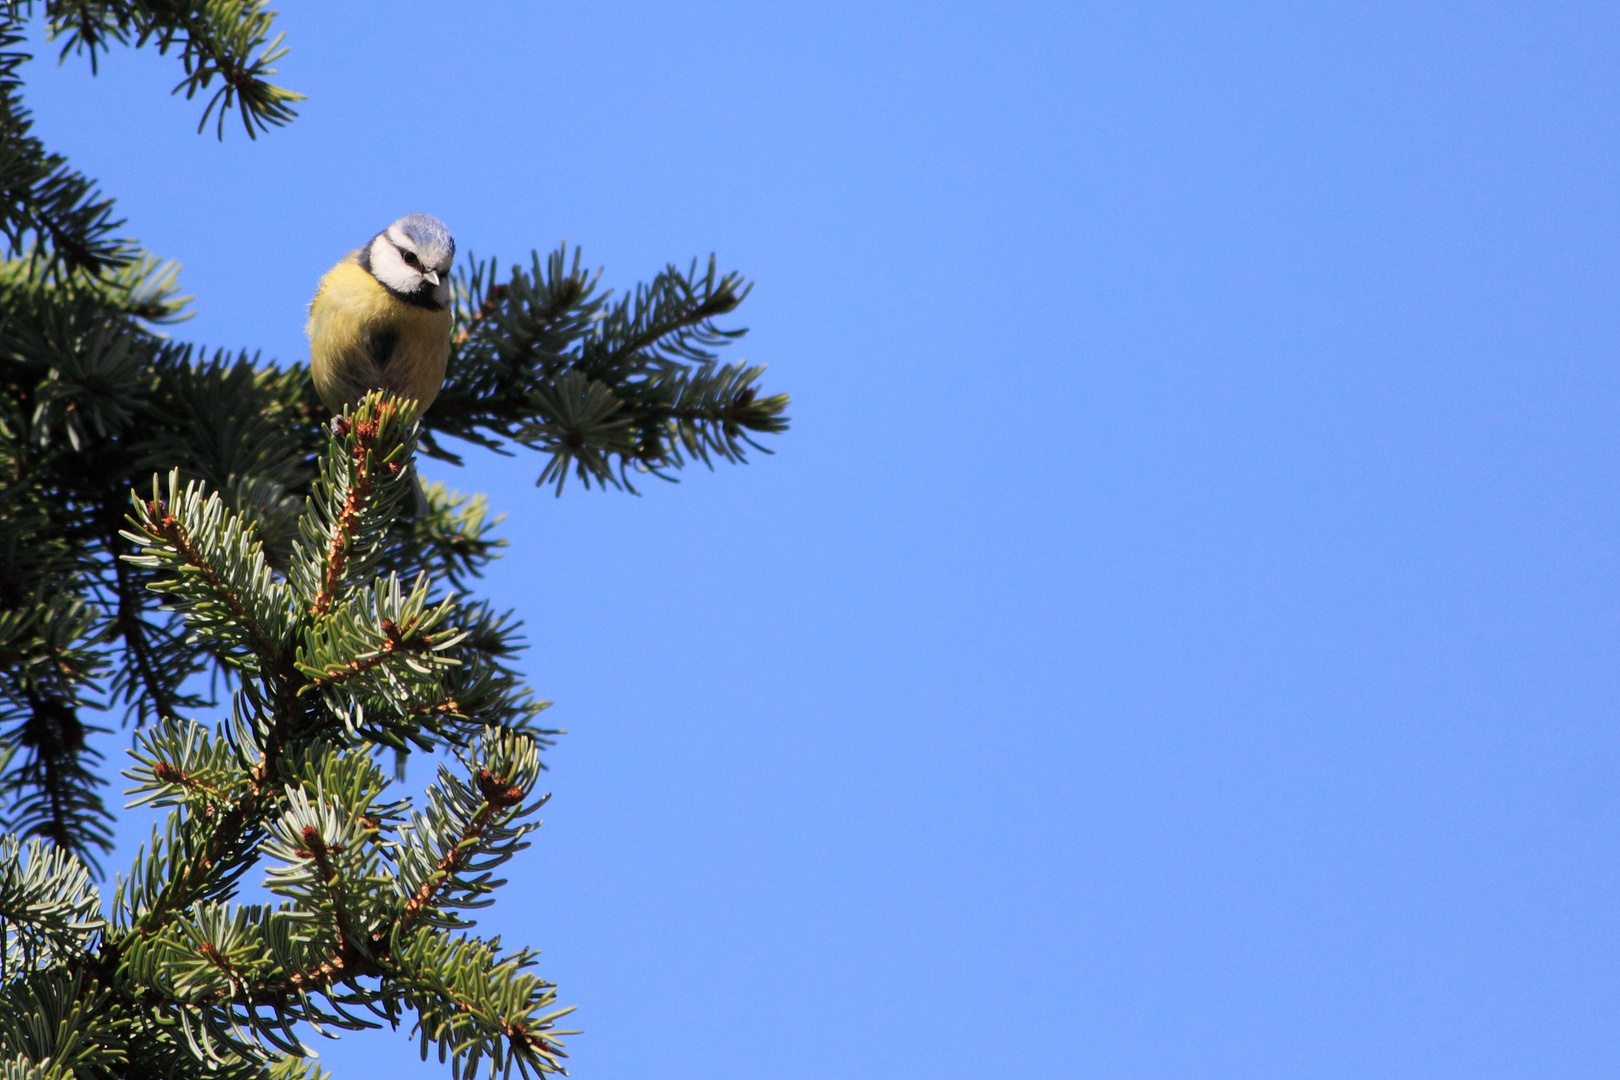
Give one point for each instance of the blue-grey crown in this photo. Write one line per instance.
(428, 233)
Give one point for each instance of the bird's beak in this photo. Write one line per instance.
(432, 276)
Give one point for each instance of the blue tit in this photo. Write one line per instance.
(380, 319)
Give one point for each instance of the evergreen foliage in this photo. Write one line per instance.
(182, 531)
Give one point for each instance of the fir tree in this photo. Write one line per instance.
(173, 521)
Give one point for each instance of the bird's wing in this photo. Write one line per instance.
(380, 344)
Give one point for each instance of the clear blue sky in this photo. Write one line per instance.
(1177, 638)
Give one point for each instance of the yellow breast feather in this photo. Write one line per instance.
(350, 314)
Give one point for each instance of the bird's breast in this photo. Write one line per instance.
(352, 309)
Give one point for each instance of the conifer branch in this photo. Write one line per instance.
(216, 39)
(499, 796)
(48, 904)
(285, 559)
(192, 877)
(605, 388)
(56, 802)
(397, 641)
(215, 569)
(356, 497)
(342, 538)
(315, 845)
(42, 197)
(133, 631)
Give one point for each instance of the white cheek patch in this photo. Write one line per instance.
(390, 267)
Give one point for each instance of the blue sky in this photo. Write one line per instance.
(1177, 637)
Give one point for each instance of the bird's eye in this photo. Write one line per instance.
(411, 259)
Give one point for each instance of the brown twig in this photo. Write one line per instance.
(354, 501)
(498, 796)
(394, 642)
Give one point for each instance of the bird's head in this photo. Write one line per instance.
(413, 256)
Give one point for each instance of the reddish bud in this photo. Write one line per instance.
(496, 791)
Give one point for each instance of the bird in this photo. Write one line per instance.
(380, 319)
